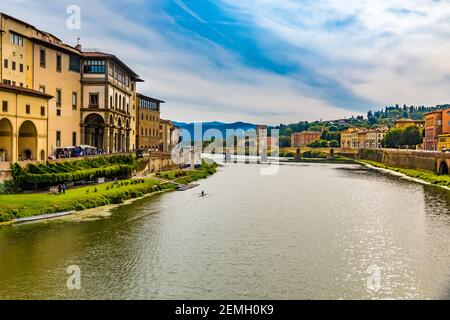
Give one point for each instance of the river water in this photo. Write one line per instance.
(311, 231)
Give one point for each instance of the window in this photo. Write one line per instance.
(5, 63)
(21, 67)
(42, 58)
(16, 39)
(94, 66)
(93, 100)
(74, 100)
(58, 97)
(5, 106)
(43, 111)
(27, 109)
(111, 70)
(58, 112)
(74, 138)
(74, 63)
(42, 89)
(58, 62)
(58, 139)
(13, 65)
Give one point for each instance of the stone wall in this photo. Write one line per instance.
(405, 158)
(157, 162)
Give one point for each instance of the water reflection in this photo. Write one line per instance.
(310, 232)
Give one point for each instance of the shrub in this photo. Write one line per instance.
(35, 176)
(315, 155)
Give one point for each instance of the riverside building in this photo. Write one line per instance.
(148, 123)
(303, 139)
(65, 96)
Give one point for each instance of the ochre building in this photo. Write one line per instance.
(84, 98)
(23, 124)
(303, 139)
(148, 123)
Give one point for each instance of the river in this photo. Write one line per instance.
(312, 231)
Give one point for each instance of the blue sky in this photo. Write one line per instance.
(267, 61)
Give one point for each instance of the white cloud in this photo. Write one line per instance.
(387, 51)
(393, 52)
(194, 88)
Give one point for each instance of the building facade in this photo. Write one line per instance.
(148, 128)
(350, 139)
(23, 124)
(354, 138)
(108, 109)
(303, 139)
(374, 137)
(166, 135)
(90, 96)
(406, 123)
(362, 139)
(443, 142)
(433, 129)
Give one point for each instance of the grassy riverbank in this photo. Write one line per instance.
(425, 175)
(27, 205)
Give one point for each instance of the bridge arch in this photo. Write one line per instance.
(443, 168)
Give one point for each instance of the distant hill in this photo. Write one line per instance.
(215, 125)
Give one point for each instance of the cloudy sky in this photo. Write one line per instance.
(266, 61)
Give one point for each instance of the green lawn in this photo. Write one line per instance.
(26, 205)
(425, 175)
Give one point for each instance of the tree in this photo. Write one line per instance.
(393, 138)
(285, 142)
(334, 144)
(411, 136)
(319, 144)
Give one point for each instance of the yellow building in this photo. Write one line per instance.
(23, 124)
(405, 123)
(166, 135)
(37, 60)
(444, 142)
(148, 122)
(108, 112)
(350, 139)
(95, 93)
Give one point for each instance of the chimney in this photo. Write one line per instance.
(78, 46)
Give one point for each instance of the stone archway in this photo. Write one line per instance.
(443, 168)
(27, 144)
(6, 141)
(94, 127)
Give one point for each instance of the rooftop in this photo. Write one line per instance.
(22, 90)
(140, 95)
(408, 121)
